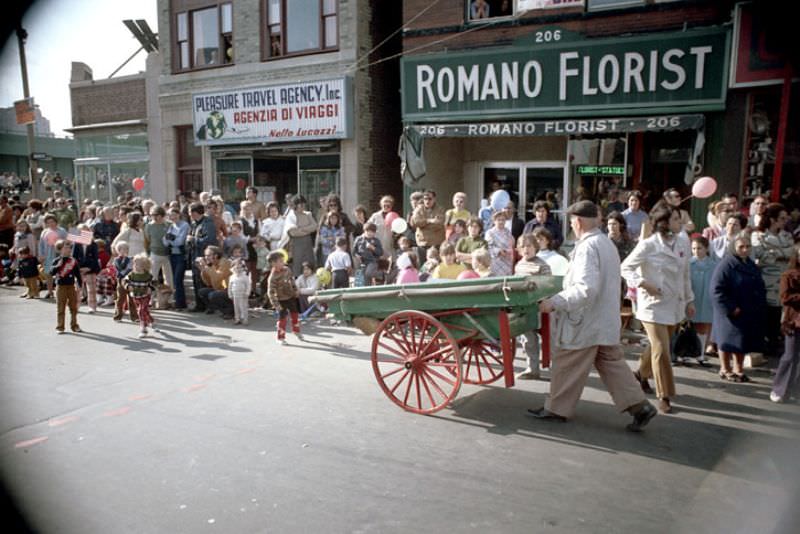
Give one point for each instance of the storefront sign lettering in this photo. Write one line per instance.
(310, 110)
(581, 78)
(562, 127)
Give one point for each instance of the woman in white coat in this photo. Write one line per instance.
(659, 268)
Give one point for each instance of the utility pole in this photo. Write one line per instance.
(32, 176)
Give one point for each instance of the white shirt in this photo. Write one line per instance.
(338, 260)
(307, 285)
(558, 263)
(588, 306)
(272, 231)
(239, 285)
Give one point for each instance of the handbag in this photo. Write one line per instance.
(685, 343)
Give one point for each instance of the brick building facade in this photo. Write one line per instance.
(262, 48)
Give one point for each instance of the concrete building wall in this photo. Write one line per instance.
(156, 176)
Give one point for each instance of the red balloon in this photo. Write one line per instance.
(241, 183)
(138, 184)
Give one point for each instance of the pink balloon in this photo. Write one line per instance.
(704, 187)
(466, 275)
(138, 184)
(389, 219)
(51, 237)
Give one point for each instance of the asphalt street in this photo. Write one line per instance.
(211, 427)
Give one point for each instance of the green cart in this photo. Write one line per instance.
(429, 338)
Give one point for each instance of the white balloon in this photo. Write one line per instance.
(399, 225)
(499, 200)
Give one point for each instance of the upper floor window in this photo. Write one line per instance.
(204, 37)
(478, 10)
(485, 9)
(300, 27)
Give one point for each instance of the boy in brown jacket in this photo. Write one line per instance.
(283, 294)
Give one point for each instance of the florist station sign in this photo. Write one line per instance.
(294, 112)
(658, 73)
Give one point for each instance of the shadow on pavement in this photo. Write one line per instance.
(335, 349)
(151, 344)
(597, 426)
(146, 345)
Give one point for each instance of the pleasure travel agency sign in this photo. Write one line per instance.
(555, 73)
(293, 112)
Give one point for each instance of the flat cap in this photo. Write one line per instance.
(583, 208)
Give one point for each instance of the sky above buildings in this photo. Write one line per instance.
(63, 31)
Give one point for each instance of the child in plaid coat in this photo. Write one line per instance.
(140, 284)
(283, 294)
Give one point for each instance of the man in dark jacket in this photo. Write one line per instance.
(202, 235)
(541, 211)
(515, 224)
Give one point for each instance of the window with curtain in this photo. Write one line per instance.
(203, 37)
(300, 27)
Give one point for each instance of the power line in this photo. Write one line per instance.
(398, 30)
(434, 43)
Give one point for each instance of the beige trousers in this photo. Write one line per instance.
(656, 361)
(570, 370)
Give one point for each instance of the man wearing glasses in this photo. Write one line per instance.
(65, 216)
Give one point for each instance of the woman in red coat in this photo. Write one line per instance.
(786, 378)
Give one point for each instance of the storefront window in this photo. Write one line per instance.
(122, 176)
(526, 183)
(762, 135)
(598, 170)
(107, 181)
(233, 177)
(316, 184)
(92, 182)
(190, 160)
(319, 177)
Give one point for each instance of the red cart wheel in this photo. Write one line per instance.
(417, 361)
(483, 361)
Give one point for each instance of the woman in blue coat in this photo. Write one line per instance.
(739, 297)
(701, 268)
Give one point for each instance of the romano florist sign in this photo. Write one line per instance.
(564, 75)
(292, 112)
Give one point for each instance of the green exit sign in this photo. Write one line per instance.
(601, 169)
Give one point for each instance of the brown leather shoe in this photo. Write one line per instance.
(664, 406)
(643, 383)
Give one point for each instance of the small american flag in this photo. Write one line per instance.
(84, 238)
